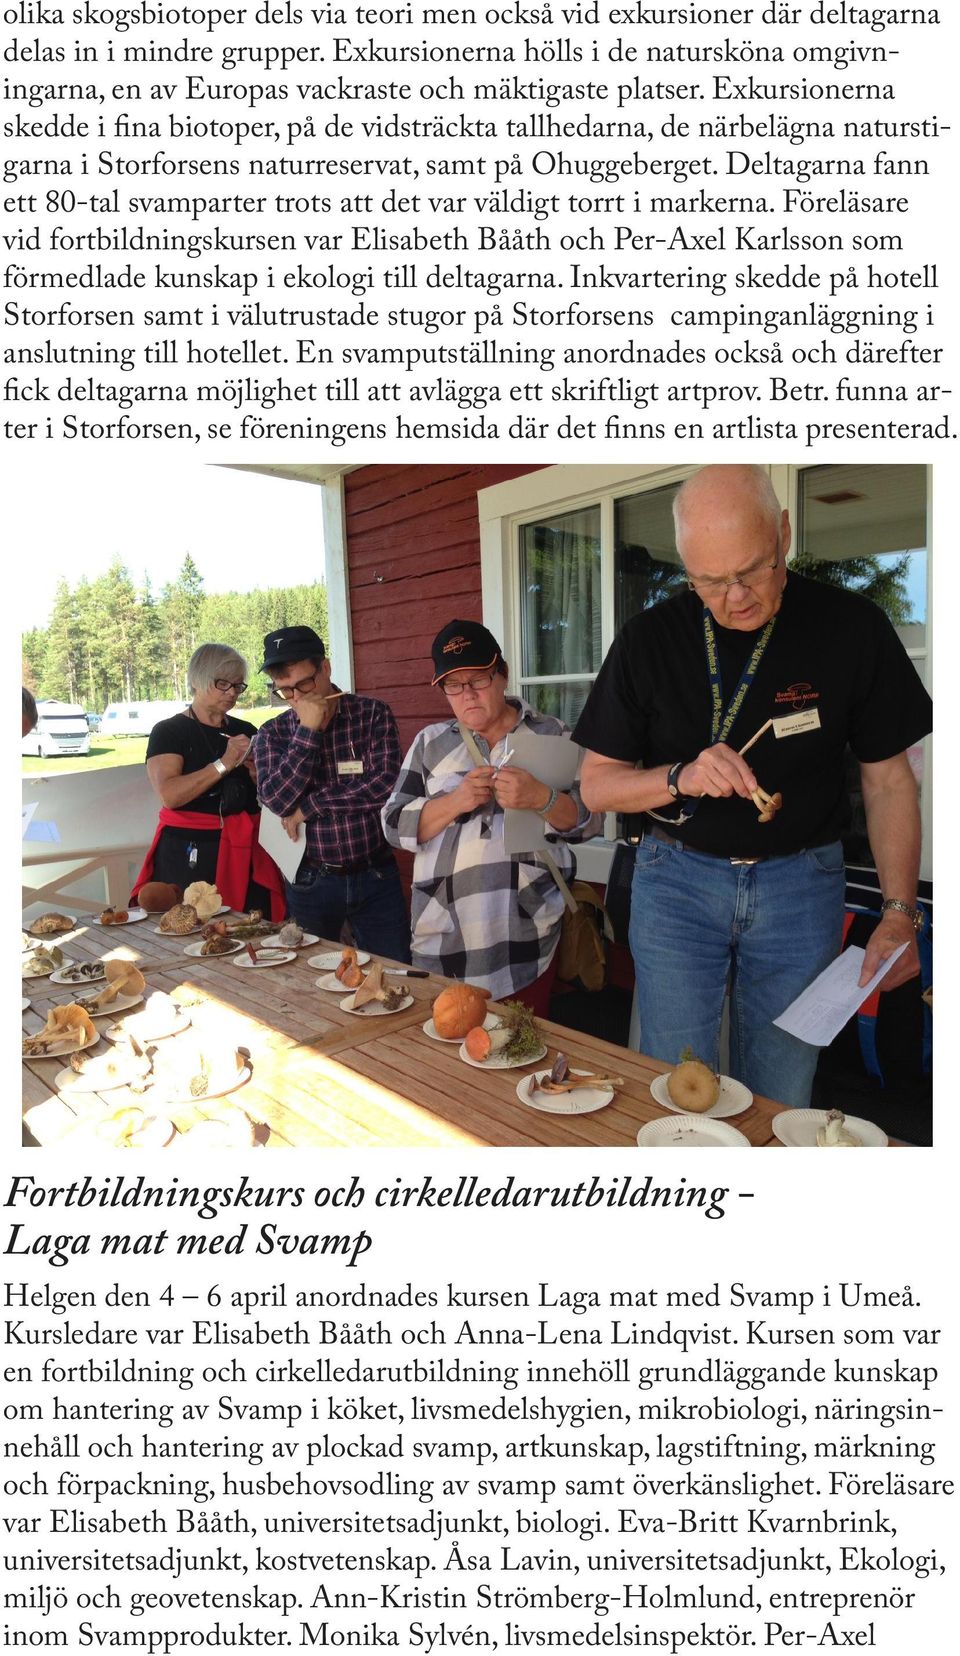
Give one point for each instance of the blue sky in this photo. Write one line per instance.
(242, 530)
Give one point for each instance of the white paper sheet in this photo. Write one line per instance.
(42, 833)
(821, 1011)
(286, 853)
(554, 760)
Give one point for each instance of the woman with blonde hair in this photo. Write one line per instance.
(198, 766)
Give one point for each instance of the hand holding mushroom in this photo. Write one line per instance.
(767, 804)
(718, 773)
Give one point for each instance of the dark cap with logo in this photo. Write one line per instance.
(463, 644)
(290, 644)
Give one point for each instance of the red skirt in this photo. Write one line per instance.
(240, 857)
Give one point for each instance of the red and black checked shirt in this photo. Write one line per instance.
(298, 767)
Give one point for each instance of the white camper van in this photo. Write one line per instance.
(61, 728)
(136, 718)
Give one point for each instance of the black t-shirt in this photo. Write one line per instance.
(831, 651)
(198, 745)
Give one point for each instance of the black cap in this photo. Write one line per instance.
(290, 644)
(463, 644)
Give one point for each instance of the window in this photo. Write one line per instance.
(865, 528)
(562, 637)
(561, 634)
(570, 552)
(646, 565)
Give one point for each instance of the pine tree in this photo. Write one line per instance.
(152, 684)
(63, 648)
(93, 688)
(32, 647)
(181, 604)
(114, 604)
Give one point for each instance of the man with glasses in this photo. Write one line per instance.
(481, 914)
(329, 763)
(726, 888)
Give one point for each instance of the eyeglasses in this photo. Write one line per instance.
(715, 586)
(229, 684)
(303, 687)
(482, 681)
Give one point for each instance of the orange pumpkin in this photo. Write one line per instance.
(459, 1009)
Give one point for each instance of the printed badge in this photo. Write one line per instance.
(791, 724)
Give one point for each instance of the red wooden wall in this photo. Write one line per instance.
(413, 560)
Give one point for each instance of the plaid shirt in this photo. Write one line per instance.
(306, 769)
(480, 913)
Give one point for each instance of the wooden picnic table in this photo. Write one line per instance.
(323, 1077)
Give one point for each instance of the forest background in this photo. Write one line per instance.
(113, 639)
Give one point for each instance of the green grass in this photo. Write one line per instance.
(106, 753)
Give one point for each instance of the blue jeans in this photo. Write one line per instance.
(372, 901)
(698, 921)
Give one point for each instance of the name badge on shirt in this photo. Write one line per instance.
(354, 767)
(793, 723)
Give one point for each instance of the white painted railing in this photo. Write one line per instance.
(96, 827)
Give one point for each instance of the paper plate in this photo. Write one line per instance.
(134, 916)
(95, 1080)
(120, 1003)
(496, 1060)
(330, 961)
(278, 957)
(99, 976)
(306, 942)
(331, 983)
(114, 1131)
(798, 1130)
(374, 1009)
(143, 1029)
(59, 1049)
(45, 972)
(491, 1021)
(230, 1129)
(154, 1133)
(195, 950)
(51, 937)
(582, 1102)
(219, 1085)
(690, 1132)
(24, 1004)
(734, 1099)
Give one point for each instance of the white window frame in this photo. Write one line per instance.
(505, 508)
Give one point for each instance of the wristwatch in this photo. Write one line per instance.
(219, 767)
(894, 905)
(673, 778)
